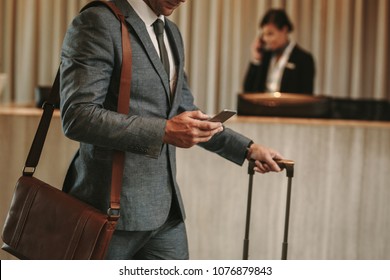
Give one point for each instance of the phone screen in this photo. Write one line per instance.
(223, 116)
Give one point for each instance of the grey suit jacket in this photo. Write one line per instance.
(91, 59)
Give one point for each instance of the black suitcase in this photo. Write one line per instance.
(284, 164)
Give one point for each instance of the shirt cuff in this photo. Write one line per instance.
(247, 153)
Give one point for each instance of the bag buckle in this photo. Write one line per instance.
(113, 213)
(28, 170)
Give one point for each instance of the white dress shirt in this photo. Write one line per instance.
(149, 17)
(276, 69)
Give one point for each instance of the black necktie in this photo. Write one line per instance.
(158, 26)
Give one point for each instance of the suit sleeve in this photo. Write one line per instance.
(256, 75)
(228, 144)
(308, 73)
(89, 61)
(251, 78)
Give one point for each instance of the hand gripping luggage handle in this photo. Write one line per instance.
(287, 164)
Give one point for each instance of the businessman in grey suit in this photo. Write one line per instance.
(162, 117)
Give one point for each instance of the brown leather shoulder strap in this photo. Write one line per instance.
(125, 82)
(123, 108)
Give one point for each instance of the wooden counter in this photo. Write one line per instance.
(340, 198)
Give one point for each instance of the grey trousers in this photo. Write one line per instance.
(168, 242)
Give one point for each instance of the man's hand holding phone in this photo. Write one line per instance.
(190, 128)
(193, 127)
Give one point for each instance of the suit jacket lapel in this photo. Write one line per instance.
(140, 31)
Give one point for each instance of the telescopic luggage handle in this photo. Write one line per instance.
(283, 164)
(289, 166)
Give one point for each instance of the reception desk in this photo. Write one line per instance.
(340, 192)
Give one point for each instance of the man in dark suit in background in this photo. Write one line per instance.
(279, 64)
(151, 224)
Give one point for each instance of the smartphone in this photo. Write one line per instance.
(223, 116)
(262, 47)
